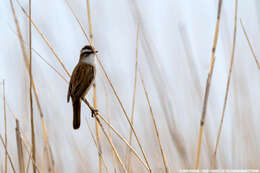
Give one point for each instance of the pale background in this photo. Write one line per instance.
(114, 26)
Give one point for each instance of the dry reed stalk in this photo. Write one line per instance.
(19, 147)
(5, 125)
(30, 90)
(114, 91)
(198, 90)
(27, 67)
(124, 140)
(8, 156)
(94, 91)
(128, 153)
(154, 123)
(23, 138)
(249, 43)
(227, 85)
(46, 160)
(205, 102)
(89, 23)
(109, 131)
(195, 78)
(97, 130)
(112, 145)
(96, 144)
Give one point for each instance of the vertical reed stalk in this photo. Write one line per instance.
(27, 63)
(128, 154)
(227, 85)
(30, 75)
(19, 148)
(94, 91)
(97, 130)
(207, 90)
(90, 24)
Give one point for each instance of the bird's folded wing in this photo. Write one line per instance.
(81, 79)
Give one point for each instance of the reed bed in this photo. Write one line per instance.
(162, 88)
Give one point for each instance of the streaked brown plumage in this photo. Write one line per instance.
(81, 81)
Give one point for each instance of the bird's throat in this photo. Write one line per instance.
(90, 59)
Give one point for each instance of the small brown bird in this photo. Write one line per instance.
(81, 81)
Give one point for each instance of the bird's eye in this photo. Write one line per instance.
(86, 53)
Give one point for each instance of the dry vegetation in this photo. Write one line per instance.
(148, 120)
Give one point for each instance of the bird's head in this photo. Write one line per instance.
(87, 50)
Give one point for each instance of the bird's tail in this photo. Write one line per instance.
(76, 112)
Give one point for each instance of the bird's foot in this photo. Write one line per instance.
(93, 112)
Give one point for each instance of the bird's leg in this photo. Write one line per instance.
(93, 110)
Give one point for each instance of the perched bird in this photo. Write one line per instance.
(81, 81)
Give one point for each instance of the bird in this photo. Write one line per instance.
(82, 78)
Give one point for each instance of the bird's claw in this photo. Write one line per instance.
(93, 112)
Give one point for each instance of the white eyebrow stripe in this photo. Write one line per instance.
(86, 51)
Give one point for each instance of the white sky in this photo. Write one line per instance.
(114, 36)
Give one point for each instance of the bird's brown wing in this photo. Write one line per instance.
(81, 80)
